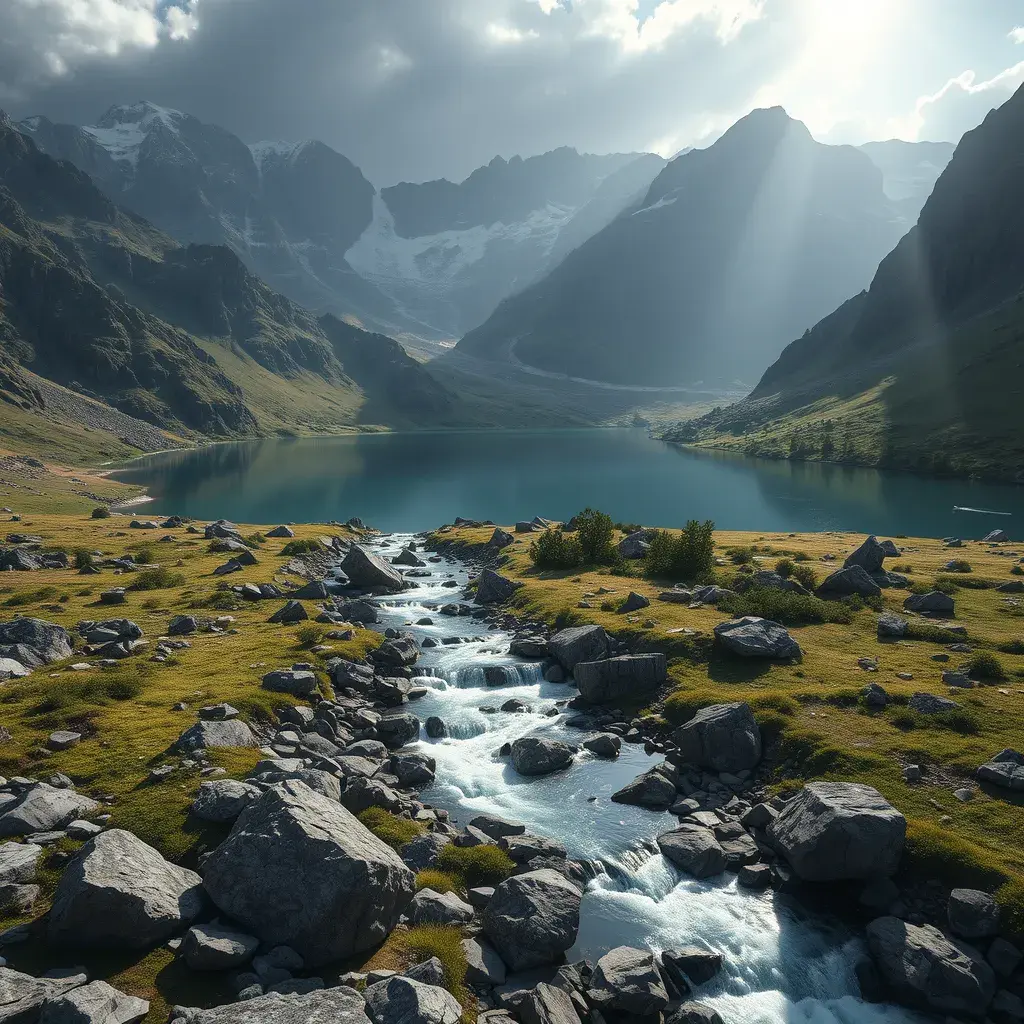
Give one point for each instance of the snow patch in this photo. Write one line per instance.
(263, 151)
(663, 201)
(122, 130)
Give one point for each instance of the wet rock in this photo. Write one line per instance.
(693, 849)
(627, 980)
(569, 647)
(692, 1013)
(395, 729)
(613, 678)
(535, 755)
(973, 914)
(603, 744)
(413, 769)
(651, 789)
(753, 637)
(724, 737)
(755, 876)
(435, 728)
(839, 830)
(370, 572)
(119, 893)
(497, 828)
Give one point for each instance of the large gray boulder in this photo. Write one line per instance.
(19, 863)
(397, 728)
(832, 831)
(869, 556)
(627, 980)
(401, 1000)
(693, 849)
(206, 734)
(95, 1003)
(492, 588)
(119, 893)
(212, 947)
(44, 808)
(614, 678)
(576, 644)
(935, 602)
(973, 914)
(545, 1004)
(484, 966)
(39, 642)
(753, 637)
(536, 755)
(337, 1005)
(300, 870)
(223, 800)
(924, 969)
(724, 737)
(533, 918)
(370, 571)
(846, 582)
(652, 789)
(22, 997)
(430, 907)
(299, 682)
(423, 851)
(1005, 770)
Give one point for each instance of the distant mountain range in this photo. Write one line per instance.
(426, 261)
(732, 251)
(925, 369)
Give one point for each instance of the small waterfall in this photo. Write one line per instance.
(475, 676)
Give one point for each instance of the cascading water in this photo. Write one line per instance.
(782, 964)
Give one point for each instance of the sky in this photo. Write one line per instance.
(418, 89)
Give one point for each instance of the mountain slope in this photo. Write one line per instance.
(909, 170)
(97, 300)
(934, 348)
(732, 251)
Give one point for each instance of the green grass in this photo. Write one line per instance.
(158, 578)
(785, 606)
(30, 597)
(389, 828)
(475, 865)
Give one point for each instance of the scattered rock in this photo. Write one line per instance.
(846, 582)
(724, 737)
(753, 637)
(973, 914)
(212, 947)
(44, 808)
(627, 980)
(205, 734)
(493, 589)
(403, 1000)
(577, 644)
(1005, 770)
(223, 800)
(933, 603)
(535, 755)
(96, 1001)
(291, 611)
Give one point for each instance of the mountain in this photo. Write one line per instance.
(925, 369)
(909, 170)
(448, 253)
(97, 301)
(733, 250)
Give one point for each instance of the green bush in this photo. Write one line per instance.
(595, 531)
(554, 549)
(101, 512)
(389, 828)
(310, 634)
(300, 547)
(31, 597)
(784, 567)
(1012, 647)
(83, 558)
(157, 578)
(740, 555)
(476, 865)
(439, 881)
(145, 555)
(785, 606)
(958, 565)
(805, 576)
(984, 665)
(965, 723)
(689, 556)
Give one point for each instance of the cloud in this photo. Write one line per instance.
(1017, 34)
(961, 104)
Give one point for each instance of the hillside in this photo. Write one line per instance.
(931, 354)
(98, 302)
(732, 251)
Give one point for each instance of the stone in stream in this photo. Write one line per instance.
(495, 827)
(533, 918)
(523, 848)
(652, 789)
(119, 893)
(371, 572)
(535, 755)
(603, 744)
(692, 1013)
(403, 1000)
(924, 969)
(493, 588)
(627, 980)
(832, 831)
(395, 729)
(577, 644)
(435, 728)
(1005, 770)
(724, 737)
(300, 870)
(693, 849)
(613, 678)
(754, 637)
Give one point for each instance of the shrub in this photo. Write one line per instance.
(101, 512)
(300, 547)
(157, 578)
(984, 665)
(31, 597)
(476, 865)
(959, 721)
(145, 555)
(958, 565)
(445, 942)
(389, 828)
(1017, 571)
(439, 881)
(608, 606)
(785, 606)
(83, 558)
(805, 576)
(554, 549)
(945, 584)
(255, 539)
(690, 556)
(310, 634)
(595, 531)
(741, 555)
(784, 567)
(220, 600)
(1012, 647)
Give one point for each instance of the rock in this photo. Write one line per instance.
(18, 899)
(696, 964)
(635, 545)
(869, 556)
(395, 729)
(875, 696)
(485, 967)
(839, 830)
(724, 737)
(500, 539)
(1005, 770)
(693, 849)
(212, 947)
(525, 848)
(1004, 957)
(995, 537)
(692, 1013)
(423, 851)
(613, 678)
(533, 918)
(22, 997)
(603, 744)
(95, 1003)
(493, 589)
(413, 769)
(755, 876)
(396, 652)
(44, 808)
(223, 800)
(291, 611)
(633, 603)
(535, 755)
(931, 704)
(627, 980)
(402, 1000)
(925, 969)
(430, 907)
(119, 893)
(651, 789)
(206, 734)
(752, 637)
(299, 682)
(497, 828)
(845, 582)
(19, 863)
(281, 531)
(710, 595)
(543, 1004)
(301, 870)
(63, 740)
(39, 642)
(360, 794)
(371, 572)
(10, 668)
(338, 1005)
(932, 603)
(973, 914)
(577, 644)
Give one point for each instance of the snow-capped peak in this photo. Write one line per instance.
(123, 129)
(263, 151)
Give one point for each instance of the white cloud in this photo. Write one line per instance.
(506, 35)
(1017, 34)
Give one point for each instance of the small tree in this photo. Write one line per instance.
(554, 549)
(595, 531)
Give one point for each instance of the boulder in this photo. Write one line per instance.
(119, 893)
(635, 545)
(1005, 770)
(206, 734)
(338, 1005)
(182, 625)
(603, 744)
(430, 907)
(301, 870)
(22, 997)
(933, 603)
(995, 537)
(692, 963)
(533, 918)
(398, 652)
(694, 849)
(492, 588)
(651, 789)
(577, 644)
(767, 579)
(627, 980)
(973, 914)
(869, 556)
(361, 612)
(402, 1000)
(497, 828)
(281, 531)
(95, 1002)
(931, 704)
(753, 637)
(846, 582)
(44, 808)
(212, 947)
(423, 851)
(39, 641)
(524, 848)
(536, 755)
(545, 1004)
(10, 668)
(360, 794)
(500, 538)
(395, 729)
(924, 969)
(223, 800)
(291, 611)
(484, 966)
(371, 572)
(891, 626)
(19, 863)
(300, 682)
(692, 1013)
(614, 678)
(413, 769)
(889, 549)
(831, 831)
(633, 603)
(724, 737)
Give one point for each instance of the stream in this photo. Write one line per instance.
(782, 963)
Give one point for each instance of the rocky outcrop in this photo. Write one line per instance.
(492, 588)
(536, 755)
(724, 737)
(300, 870)
(613, 678)
(23, 997)
(839, 830)
(96, 1001)
(370, 571)
(577, 644)
(119, 893)
(533, 918)
(34, 642)
(44, 808)
(868, 557)
(752, 637)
